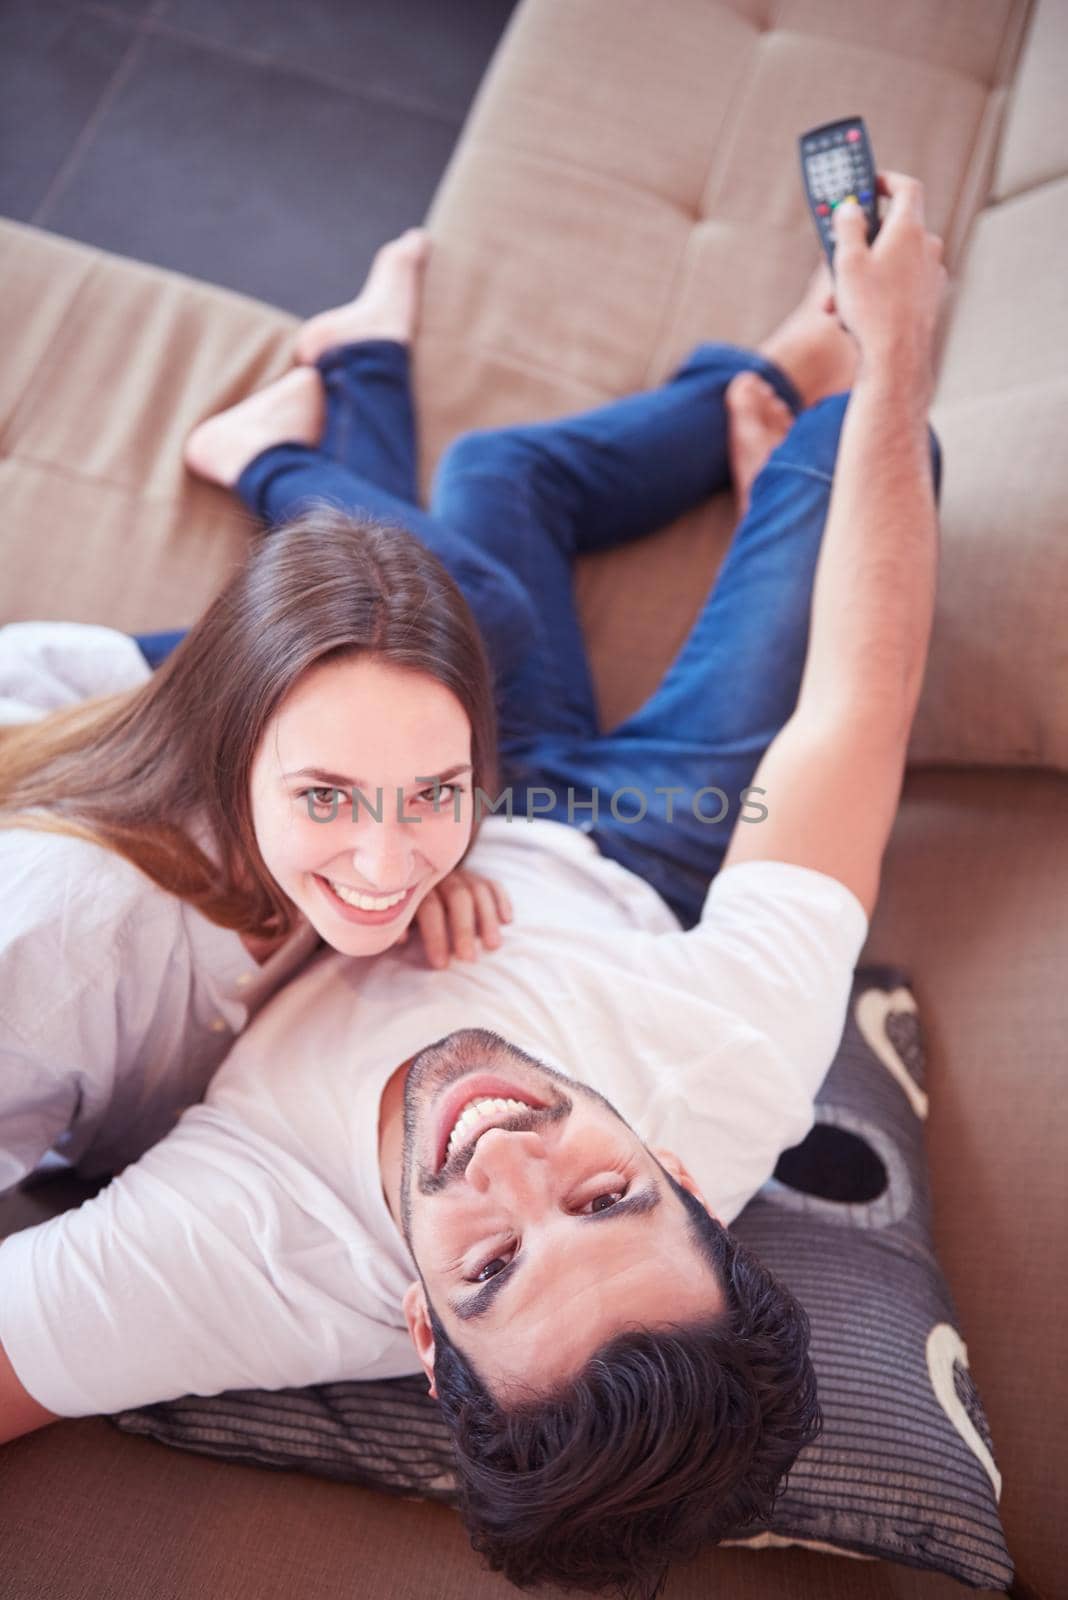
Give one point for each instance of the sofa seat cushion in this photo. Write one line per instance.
(108, 364)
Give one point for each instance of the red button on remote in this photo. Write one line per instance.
(823, 210)
(853, 135)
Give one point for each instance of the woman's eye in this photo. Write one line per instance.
(495, 1261)
(443, 794)
(316, 793)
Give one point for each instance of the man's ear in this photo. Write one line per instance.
(418, 1320)
(670, 1161)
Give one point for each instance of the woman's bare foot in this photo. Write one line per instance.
(811, 346)
(757, 420)
(290, 409)
(387, 307)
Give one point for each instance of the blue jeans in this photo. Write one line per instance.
(510, 508)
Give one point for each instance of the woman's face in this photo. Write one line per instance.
(348, 817)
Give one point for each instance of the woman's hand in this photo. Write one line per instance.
(457, 909)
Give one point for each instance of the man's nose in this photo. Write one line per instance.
(515, 1164)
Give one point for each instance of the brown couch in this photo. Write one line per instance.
(626, 186)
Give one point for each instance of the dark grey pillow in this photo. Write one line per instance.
(903, 1468)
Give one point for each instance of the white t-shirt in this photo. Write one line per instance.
(118, 1000)
(253, 1248)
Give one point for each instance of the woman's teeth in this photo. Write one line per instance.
(475, 1111)
(366, 902)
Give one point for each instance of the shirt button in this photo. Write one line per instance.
(219, 1025)
(244, 980)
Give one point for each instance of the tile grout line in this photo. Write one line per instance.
(89, 128)
(154, 24)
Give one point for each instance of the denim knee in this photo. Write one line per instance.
(502, 605)
(726, 360)
(485, 450)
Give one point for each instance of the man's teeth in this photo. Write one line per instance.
(474, 1111)
(366, 902)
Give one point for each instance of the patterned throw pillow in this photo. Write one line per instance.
(904, 1468)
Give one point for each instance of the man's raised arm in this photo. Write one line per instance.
(832, 775)
(873, 600)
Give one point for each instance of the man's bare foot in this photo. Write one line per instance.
(387, 307)
(290, 409)
(757, 420)
(811, 346)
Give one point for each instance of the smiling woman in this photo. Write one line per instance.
(157, 841)
(358, 873)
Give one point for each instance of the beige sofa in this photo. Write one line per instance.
(627, 185)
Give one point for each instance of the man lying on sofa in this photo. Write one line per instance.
(399, 1169)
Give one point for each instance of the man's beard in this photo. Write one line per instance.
(446, 1060)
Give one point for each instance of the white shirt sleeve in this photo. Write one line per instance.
(773, 959)
(214, 1262)
(46, 665)
(87, 946)
(67, 907)
(782, 942)
(41, 1093)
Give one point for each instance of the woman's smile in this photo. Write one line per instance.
(370, 910)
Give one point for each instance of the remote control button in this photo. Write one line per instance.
(865, 194)
(823, 210)
(853, 135)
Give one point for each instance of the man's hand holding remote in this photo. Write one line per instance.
(888, 294)
(873, 600)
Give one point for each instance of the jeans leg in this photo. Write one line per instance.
(369, 429)
(621, 471)
(537, 495)
(738, 674)
(733, 685)
(370, 419)
(490, 491)
(155, 647)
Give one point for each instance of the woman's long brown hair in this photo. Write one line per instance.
(132, 771)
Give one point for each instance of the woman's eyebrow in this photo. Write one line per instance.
(443, 777)
(633, 1205)
(341, 782)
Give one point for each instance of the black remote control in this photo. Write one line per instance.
(836, 161)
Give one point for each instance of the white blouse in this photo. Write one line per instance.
(117, 999)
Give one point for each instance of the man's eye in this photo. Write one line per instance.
(612, 1195)
(495, 1261)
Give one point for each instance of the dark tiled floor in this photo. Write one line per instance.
(267, 145)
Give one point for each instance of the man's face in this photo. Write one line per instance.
(540, 1230)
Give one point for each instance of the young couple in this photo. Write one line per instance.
(516, 1174)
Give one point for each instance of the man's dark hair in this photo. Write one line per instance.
(664, 1441)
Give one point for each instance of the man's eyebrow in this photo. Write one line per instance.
(339, 781)
(632, 1205)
